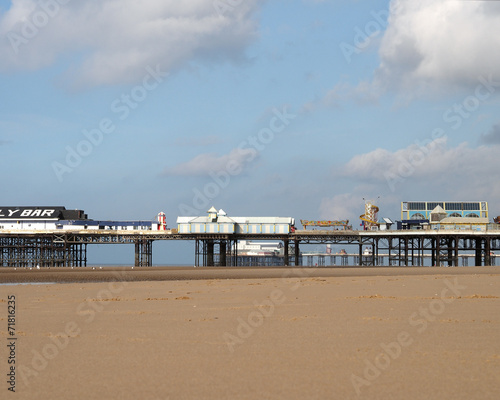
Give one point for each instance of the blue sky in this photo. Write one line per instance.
(295, 108)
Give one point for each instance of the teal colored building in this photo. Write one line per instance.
(418, 210)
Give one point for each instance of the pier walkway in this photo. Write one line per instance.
(62, 248)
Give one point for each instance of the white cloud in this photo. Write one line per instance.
(493, 136)
(461, 172)
(207, 164)
(431, 46)
(364, 93)
(342, 206)
(203, 141)
(458, 173)
(117, 39)
(379, 163)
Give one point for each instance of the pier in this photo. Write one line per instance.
(55, 248)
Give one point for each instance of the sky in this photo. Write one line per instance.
(298, 108)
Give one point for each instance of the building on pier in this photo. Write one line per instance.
(248, 247)
(59, 218)
(217, 235)
(37, 218)
(421, 210)
(465, 215)
(217, 222)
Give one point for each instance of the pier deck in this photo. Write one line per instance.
(399, 247)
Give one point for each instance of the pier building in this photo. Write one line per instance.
(423, 209)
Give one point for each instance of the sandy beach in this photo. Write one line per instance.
(241, 333)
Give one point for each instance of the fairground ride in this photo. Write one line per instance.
(369, 218)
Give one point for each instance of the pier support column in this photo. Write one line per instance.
(233, 246)
(137, 253)
(286, 260)
(433, 251)
(197, 252)
(223, 251)
(210, 253)
(487, 252)
(420, 251)
(143, 253)
(360, 252)
(451, 247)
(438, 251)
(478, 259)
(390, 249)
(406, 258)
(297, 253)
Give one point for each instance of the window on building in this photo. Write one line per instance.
(471, 207)
(418, 216)
(432, 205)
(455, 215)
(453, 206)
(472, 215)
(416, 205)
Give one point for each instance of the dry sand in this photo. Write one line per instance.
(268, 333)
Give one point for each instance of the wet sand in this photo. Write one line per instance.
(107, 274)
(272, 333)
